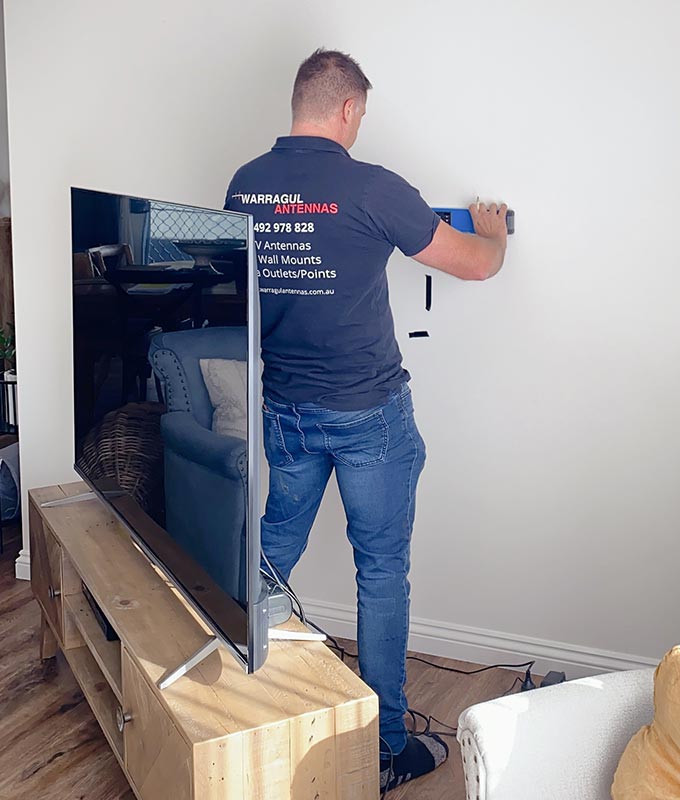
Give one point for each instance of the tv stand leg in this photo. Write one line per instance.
(202, 653)
(48, 641)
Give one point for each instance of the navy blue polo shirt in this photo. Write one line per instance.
(325, 226)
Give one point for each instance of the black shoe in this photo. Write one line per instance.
(423, 753)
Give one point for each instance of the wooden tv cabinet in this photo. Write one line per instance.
(304, 727)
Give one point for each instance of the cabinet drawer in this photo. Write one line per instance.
(157, 758)
(46, 570)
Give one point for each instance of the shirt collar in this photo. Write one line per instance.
(318, 143)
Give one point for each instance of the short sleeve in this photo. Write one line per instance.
(231, 202)
(228, 195)
(398, 212)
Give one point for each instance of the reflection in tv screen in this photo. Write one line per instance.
(163, 388)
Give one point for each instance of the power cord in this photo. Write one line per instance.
(299, 612)
(390, 771)
(514, 683)
(528, 664)
(414, 732)
(283, 584)
(451, 731)
(527, 682)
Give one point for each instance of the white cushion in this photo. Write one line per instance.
(226, 382)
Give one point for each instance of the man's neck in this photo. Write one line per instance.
(313, 129)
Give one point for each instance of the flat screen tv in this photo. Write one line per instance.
(167, 397)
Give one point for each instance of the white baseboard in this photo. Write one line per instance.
(463, 643)
(481, 646)
(22, 566)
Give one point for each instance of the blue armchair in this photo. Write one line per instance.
(205, 473)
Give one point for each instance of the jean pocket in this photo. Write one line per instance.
(274, 444)
(357, 443)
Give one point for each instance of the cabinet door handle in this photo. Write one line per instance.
(122, 718)
(53, 593)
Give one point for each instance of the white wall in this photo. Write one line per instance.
(548, 516)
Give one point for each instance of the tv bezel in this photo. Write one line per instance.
(253, 653)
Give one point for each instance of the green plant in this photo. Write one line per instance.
(8, 345)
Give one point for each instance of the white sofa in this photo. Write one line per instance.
(558, 743)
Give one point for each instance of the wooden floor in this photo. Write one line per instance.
(51, 747)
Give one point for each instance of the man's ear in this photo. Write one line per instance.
(349, 108)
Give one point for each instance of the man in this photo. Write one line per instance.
(335, 393)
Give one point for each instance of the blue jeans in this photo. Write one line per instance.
(378, 456)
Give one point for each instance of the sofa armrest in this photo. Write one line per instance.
(562, 742)
(226, 455)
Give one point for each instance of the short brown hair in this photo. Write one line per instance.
(324, 81)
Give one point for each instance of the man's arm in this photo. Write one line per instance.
(471, 257)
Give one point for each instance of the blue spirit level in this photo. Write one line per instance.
(460, 219)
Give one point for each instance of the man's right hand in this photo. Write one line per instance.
(471, 258)
(490, 222)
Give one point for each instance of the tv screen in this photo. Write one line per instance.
(166, 396)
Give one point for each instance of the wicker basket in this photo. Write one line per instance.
(127, 447)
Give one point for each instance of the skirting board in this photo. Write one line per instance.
(22, 566)
(473, 645)
(480, 646)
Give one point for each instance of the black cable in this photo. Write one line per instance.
(427, 730)
(390, 771)
(278, 578)
(335, 645)
(528, 664)
(430, 718)
(344, 652)
(341, 651)
(527, 682)
(294, 601)
(514, 683)
(283, 584)
(415, 714)
(452, 731)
